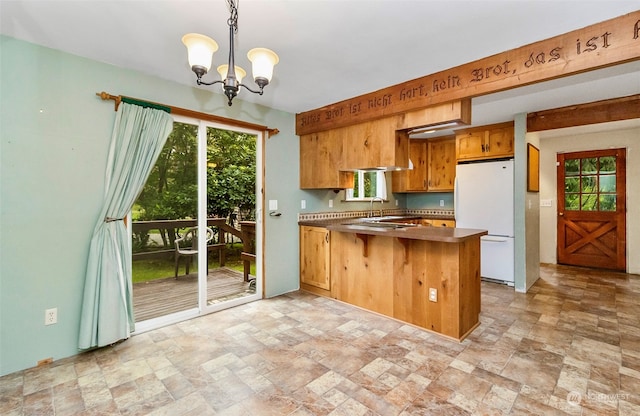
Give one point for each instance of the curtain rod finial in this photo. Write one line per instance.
(106, 96)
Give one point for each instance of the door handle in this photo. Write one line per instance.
(561, 214)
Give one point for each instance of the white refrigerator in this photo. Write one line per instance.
(483, 199)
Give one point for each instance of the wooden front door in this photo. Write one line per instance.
(592, 209)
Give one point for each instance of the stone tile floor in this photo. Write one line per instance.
(569, 346)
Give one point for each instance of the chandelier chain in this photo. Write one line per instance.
(233, 9)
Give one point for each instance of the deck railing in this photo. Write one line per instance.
(170, 229)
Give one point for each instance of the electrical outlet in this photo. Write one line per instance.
(303, 204)
(433, 294)
(51, 316)
(331, 203)
(442, 202)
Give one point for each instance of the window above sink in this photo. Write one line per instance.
(367, 185)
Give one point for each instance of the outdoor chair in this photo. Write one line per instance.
(187, 246)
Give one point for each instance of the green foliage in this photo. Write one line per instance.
(590, 184)
(231, 173)
(171, 192)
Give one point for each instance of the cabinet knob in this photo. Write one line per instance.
(482, 147)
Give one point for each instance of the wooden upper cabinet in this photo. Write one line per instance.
(375, 143)
(441, 169)
(321, 158)
(434, 167)
(487, 142)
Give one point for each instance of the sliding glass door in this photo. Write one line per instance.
(194, 226)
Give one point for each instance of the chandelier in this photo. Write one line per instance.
(201, 49)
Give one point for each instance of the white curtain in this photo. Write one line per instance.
(139, 135)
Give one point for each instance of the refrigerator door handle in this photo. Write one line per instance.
(493, 239)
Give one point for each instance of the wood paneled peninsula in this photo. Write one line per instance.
(425, 276)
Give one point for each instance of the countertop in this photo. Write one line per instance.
(441, 234)
(333, 221)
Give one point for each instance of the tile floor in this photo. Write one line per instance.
(569, 346)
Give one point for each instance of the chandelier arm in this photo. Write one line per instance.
(199, 81)
(260, 91)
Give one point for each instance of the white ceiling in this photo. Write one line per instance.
(330, 50)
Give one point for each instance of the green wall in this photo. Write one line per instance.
(54, 136)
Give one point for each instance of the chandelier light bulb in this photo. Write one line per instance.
(224, 69)
(200, 50)
(263, 60)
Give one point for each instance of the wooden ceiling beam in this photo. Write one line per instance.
(604, 111)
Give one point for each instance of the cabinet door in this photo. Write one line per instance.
(499, 142)
(321, 160)
(488, 142)
(417, 178)
(442, 165)
(315, 257)
(470, 145)
(414, 180)
(375, 143)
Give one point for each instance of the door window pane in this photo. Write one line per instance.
(589, 165)
(607, 164)
(572, 167)
(607, 202)
(572, 202)
(590, 184)
(589, 202)
(572, 184)
(607, 183)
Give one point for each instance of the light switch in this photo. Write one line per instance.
(273, 204)
(546, 202)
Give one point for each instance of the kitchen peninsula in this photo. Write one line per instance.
(425, 276)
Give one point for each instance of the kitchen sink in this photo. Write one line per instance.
(391, 218)
(383, 225)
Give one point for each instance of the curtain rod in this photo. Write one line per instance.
(189, 113)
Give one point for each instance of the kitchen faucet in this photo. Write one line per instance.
(376, 198)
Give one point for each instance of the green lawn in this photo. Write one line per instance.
(145, 270)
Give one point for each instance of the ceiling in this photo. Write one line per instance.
(330, 50)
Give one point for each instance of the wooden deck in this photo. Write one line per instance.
(164, 296)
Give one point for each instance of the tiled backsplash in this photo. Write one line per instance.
(359, 214)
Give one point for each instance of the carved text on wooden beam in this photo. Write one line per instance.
(603, 44)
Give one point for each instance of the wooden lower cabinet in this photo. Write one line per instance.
(315, 260)
(439, 223)
(392, 276)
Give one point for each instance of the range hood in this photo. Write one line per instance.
(422, 123)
